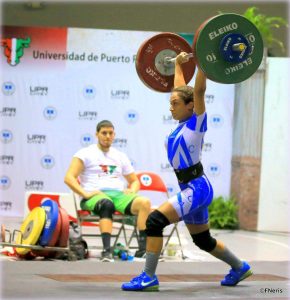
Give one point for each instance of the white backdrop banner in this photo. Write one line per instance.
(58, 83)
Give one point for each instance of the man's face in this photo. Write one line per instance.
(106, 136)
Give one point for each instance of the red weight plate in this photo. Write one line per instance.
(150, 65)
(64, 232)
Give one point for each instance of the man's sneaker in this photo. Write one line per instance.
(235, 276)
(140, 253)
(142, 283)
(106, 256)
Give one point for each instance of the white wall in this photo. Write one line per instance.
(274, 202)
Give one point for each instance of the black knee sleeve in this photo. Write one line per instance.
(204, 241)
(155, 224)
(105, 208)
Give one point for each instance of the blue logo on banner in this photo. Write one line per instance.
(89, 92)
(216, 121)
(4, 182)
(87, 139)
(132, 116)
(170, 189)
(47, 162)
(133, 164)
(214, 170)
(6, 136)
(8, 88)
(50, 113)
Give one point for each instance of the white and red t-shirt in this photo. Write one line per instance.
(103, 170)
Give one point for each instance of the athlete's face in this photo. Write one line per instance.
(106, 137)
(178, 108)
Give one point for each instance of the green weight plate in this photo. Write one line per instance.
(206, 48)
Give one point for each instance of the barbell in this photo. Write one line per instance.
(228, 48)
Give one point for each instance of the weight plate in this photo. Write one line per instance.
(152, 68)
(64, 231)
(51, 209)
(209, 57)
(53, 240)
(31, 229)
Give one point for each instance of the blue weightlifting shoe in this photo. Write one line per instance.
(142, 283)
(235, 276)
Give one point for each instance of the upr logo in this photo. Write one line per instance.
(216, 121)
(47, 162)
(14, 49)
(8, 88)
(50, 113)
(132, 116)
(86, 139)
(6, 136)
(89, 92)
(214, 170)
(146, 180)
(4, 182)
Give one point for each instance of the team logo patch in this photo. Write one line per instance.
(14, 49)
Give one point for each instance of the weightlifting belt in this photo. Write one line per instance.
(190, 173)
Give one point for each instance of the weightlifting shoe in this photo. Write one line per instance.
(106, 256)
(140, 253)
(237, 275)
(142, 283)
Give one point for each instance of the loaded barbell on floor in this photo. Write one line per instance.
(228, 48)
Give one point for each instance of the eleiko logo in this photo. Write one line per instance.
(146, 180)
(89, 92)
(47, 162)
(8, 88)
(5, 182)
(86, 139)
(132, 116)
(6, 136)
(14, 49)
(216, 121)
(49, 113)
(214, 170)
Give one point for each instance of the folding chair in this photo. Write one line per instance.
(150, 181)
(85, 218)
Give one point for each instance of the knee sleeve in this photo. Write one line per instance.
(105, 208)
(204, 241)
(155, 224)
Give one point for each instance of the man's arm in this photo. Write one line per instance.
(71, 178)
(199, 92)
(133, 183)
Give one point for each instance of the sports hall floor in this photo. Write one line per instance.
(196, 277)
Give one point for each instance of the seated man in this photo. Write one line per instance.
(100, 168)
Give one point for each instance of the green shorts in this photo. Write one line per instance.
(119, 199)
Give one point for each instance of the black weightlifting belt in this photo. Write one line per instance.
(187, 174)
